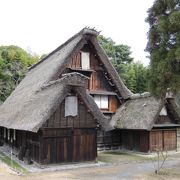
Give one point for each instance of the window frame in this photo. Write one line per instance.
(99, 104)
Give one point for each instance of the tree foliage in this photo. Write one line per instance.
(118, 54)
(14, 62)
(134, 75)
(164, 46)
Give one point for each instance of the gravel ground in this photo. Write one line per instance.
(107, 172)
(132, 168)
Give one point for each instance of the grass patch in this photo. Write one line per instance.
(13, 164)
(117, 157)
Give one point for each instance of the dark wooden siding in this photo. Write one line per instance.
(69, 139)
(99, 79)
(75, 61)
(113, 103)
(83, 119)
(24, 141)
(135, 140)
(68, 145)
(99, 82)
(109, 140)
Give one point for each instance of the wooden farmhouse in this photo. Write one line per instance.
(73, 102)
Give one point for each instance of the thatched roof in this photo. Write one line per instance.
(43, 103)
(139, 113)
(142, 111)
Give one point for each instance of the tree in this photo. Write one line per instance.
(14, 62)
(164, 46)
(134, 75)
(118, 54)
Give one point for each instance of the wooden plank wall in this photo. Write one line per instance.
(170, 140)
(25, 139)
(83, 119)
(163, 139)
(108, 140)
(68, 145)
(75, 61)
(97, 79)
(69, 139)
(113, 103)
(156, 140)
(135, 140)
(99, 82)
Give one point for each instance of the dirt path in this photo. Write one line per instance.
(108, 172)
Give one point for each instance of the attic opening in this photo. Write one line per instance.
(71, 106)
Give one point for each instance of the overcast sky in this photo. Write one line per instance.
(43, 25)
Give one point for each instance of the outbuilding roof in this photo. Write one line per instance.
(142, 111)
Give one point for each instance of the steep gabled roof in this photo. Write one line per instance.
(44, 102)
(23, 104)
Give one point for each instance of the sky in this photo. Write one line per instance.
(40, 26)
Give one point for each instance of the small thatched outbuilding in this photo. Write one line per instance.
(147, 124)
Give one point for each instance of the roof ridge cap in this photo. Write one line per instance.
(65, 76)
(141, 95)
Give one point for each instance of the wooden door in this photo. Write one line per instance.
(144, 141)
(156, 140)
(84, 145)
(75, 146)
(169, 140)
